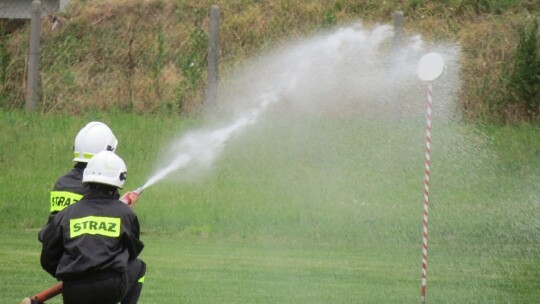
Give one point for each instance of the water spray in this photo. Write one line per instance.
(139, 190)
(323, 73)
(430, 67)
(202, 147)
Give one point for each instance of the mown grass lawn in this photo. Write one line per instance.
(207, 270)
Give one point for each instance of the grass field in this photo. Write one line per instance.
(305, 211)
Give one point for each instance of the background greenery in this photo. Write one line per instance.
(150, 56)
(322, 210)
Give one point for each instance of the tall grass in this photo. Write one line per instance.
(317, 179)
(150, 56)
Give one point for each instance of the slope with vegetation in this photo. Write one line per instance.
(150, 56)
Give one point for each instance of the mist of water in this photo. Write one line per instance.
(200, 148)
(350, 71)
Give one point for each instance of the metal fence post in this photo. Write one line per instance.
(398, 28)
(32, 85)
(213, 56)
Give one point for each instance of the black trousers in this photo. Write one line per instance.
(106, 287)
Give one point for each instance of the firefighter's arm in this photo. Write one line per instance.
(51, 238)
(130, 198)
(132, 241)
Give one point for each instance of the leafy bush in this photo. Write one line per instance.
(524, 81)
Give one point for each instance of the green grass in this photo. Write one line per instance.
(317, 210)
(208, 270)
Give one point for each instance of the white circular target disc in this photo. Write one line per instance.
(430, 67)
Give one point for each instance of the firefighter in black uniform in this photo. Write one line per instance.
(93, 245)
(68, 189)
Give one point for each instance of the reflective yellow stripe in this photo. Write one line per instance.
(141, 280)
(106, 226)
(85, 155)
(62, 199)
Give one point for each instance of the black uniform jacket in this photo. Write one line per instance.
(98, 234)
(67, 190)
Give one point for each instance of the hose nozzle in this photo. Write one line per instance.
(129, 198)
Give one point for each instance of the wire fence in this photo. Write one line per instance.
(21, 9)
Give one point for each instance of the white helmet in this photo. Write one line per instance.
(106, 168)
(93, 138)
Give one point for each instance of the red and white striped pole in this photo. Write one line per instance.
(430, 68)
(426, 192)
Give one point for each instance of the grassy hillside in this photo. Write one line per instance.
(150, 56)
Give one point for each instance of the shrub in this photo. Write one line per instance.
(524, 80)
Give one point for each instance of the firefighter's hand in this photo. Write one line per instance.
(130, 198)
